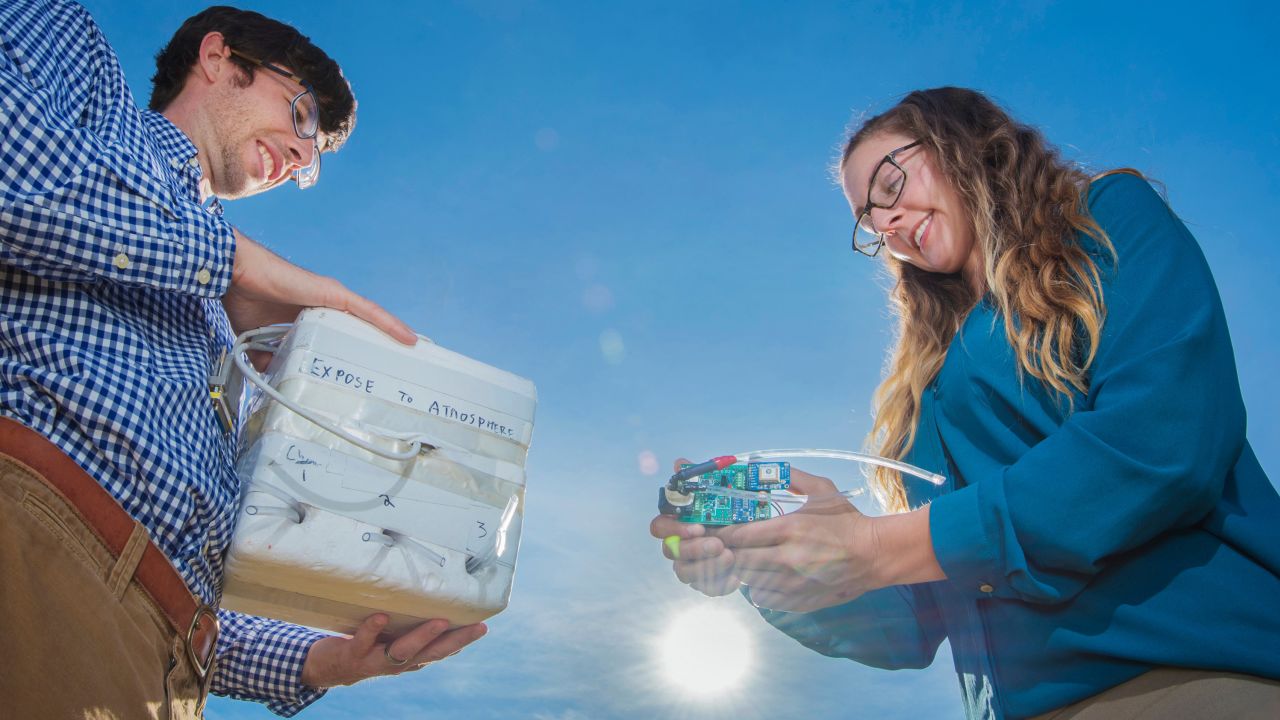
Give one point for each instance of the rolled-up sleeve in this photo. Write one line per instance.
(261, 660)
(75, 205)
(893, 628)
(1145, 453)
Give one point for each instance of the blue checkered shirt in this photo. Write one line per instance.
(111, 270)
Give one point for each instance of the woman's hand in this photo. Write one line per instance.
(699, 559)
(344, 661)
(821, 555)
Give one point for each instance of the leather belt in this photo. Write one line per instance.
(195, 621)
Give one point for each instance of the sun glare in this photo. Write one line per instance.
(705, 651)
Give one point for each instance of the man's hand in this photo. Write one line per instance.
(267, 289)
(816, 557)
(345, 661)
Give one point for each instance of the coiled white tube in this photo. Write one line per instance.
(260, 340)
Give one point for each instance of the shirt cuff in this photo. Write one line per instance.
(261, 660)
(964, 547)
(291, 643)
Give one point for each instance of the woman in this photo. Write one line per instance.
(1106, 543)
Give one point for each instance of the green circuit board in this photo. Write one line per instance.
(711, 508)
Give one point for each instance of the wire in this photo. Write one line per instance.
(251, 340)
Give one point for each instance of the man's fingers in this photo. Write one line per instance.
(449, 643)
(411, 643)
(375, 314)
(367, 634)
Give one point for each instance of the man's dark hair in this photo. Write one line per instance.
(269, 41)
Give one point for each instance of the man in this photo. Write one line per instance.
(121, 286)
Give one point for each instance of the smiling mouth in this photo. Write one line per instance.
(268, 163)
(918, 235)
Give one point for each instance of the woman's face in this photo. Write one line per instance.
(928, 226)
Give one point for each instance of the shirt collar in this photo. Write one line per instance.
(179, 153)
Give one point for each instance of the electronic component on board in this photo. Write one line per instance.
(723, 494)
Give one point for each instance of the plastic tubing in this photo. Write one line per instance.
(499, 546)
(794, 499)
(754, 455)
(253, 340)
(754, 495)
(292, 509)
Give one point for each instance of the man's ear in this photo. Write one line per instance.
(214, 58)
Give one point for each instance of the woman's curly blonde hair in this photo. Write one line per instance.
(1027, 207)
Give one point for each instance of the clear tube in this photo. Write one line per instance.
(499, 546)
(788, 499)
(794, 499)
(757, 455)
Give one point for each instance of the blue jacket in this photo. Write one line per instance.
(1083, 548)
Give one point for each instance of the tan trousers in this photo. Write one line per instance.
(1180, 694)
(78, 637)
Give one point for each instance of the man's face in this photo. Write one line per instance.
(252, 145)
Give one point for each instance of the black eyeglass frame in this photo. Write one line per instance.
(298, 176)
(872, 249)
(307, 89)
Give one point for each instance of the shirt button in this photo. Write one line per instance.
(121, 261)
(984, 587)
(203, 277)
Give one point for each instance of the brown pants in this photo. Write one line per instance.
(1179, 694)
(78, 637)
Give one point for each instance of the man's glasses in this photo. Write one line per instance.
(887, 182)
(306, 119)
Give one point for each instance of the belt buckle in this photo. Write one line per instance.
(202, 660)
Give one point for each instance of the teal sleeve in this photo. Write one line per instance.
(893, 628)
(1145, 453)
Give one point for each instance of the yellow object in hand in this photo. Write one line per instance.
(673, 544)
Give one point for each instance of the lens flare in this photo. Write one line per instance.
(612, 347)
(706, 652)
(648, 462)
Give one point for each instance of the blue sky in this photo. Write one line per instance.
(630, 205)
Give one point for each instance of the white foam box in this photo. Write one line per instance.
(329, 533)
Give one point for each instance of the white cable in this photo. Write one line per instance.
(250, 340)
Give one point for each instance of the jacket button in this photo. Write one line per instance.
(984, 587)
